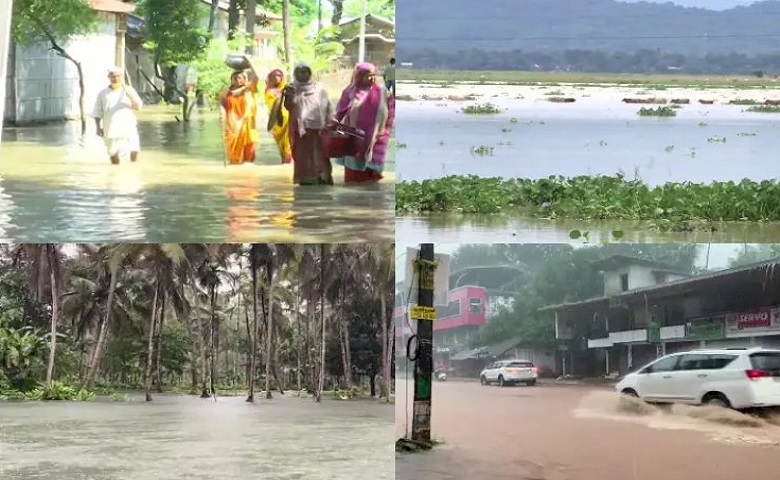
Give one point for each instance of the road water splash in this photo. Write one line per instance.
(718, 424)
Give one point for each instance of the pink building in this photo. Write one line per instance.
(457, 321)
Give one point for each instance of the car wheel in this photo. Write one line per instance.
(630, 393)
(531, 383)
(716, 400)
(483, 380)
(501, 381)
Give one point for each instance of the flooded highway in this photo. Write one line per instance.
(54, 187)
(554, 432)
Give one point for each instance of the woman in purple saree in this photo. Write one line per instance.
(367, 105)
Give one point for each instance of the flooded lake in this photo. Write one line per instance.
(55, 188)
(443, 228)
(596, 135)
(188, 438)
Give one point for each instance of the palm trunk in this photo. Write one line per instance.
(101, 341)
(345, 347)
(269, 337)
(150, 345)
(253, 339)
(159, 343)
(385, 385)
(214, 333)
(55, 313)
(298, 341)
(321, 381)
(287, 32)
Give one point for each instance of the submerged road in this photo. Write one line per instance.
(553, 432)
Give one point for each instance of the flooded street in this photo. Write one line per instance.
(595, 135)
(55, 189)
(554, 432)
(182, 437)
(443, 228)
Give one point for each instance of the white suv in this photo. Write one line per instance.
(508, 372)
(739, 378)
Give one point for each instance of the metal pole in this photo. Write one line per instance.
(362, 41)
(6, 10)
(423, 365)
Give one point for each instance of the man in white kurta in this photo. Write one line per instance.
(115, 119)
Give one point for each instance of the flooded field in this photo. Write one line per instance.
(596, 134)
(556, 432)
(187, 438)
(55, 188)
(444, 228)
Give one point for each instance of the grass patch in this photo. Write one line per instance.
(672, 206)
(481, 109)
(513, 77)
(743, 101)
(764, 109)
(657, 112)
(482, 151)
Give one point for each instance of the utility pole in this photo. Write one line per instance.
(6, 11)
(319, 16)
(362, 40)
(424, 313)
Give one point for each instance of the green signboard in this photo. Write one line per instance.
(705, 330)
(653, 332)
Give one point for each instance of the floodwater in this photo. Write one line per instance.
(444, 228)
(56, 188)
(557, 432)
(182, 437)
(537, 138)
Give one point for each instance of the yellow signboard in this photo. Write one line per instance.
(423, 313)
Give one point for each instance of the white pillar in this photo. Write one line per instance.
(362, 39)
(630, 356)
(606, 359)
(6, 9)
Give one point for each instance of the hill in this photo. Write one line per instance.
(449, 26)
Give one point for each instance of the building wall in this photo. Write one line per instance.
(542, 358)
(45, 86)
(638, 277)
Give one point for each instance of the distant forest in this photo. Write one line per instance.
(588, 35)
(643, 61)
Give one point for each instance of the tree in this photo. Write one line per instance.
(287, 31)
(754, 254)
(55, 23)
(174, 36)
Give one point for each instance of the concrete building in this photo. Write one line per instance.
(649, 309)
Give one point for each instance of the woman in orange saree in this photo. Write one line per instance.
(278, 116)
(238, 111)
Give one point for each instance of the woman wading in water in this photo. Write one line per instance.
(238, 113)
(369, 106)
(310, 112)
(278, 116)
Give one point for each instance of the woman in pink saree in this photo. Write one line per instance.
(367, 105)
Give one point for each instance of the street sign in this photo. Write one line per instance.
(423, 313)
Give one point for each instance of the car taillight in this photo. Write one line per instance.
(534, 369)
(754, 374)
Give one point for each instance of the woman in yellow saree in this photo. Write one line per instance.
(238, 111)
(278, 116)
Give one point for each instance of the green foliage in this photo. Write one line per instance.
(59, 391)
(302, 12)
(594, 197)
(764, 109)
(174, 30)
(657, 112)
(481, 109)
(754, 254)
(320, 52)
(382, 8)
(34, 20)
(213, 75)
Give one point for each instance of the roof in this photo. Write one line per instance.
(726, 351)
(617, 261)
(261, 12)
(675, 286)
(371, 35)
(370, 16)
(111, 6)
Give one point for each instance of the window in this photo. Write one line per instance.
(452, 309)
(520, 364)
(475, 305)
(692, 362)
(666, 364)
(624, 282)
(765, 361)
(716, 362)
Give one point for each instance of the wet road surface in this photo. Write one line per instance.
(552, 432)
(188, 438)
(56, 188)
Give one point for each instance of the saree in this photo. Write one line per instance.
(239, 132)
(278, 117)
(371, 109)
(310, 111)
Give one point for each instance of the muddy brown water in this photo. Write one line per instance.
(54, 187)
(554, 432)
(188, 438)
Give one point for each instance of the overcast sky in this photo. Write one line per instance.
(720, 254)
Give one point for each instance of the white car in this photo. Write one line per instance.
(738, 378)
(509, 372)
